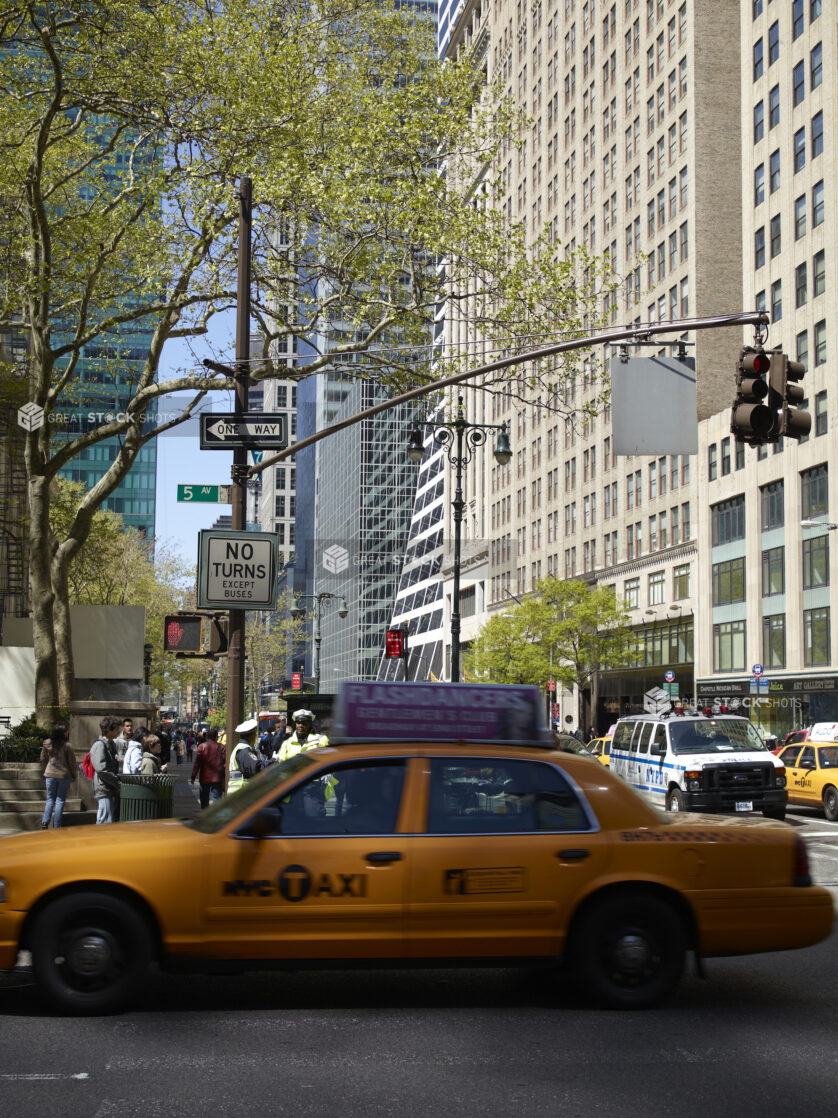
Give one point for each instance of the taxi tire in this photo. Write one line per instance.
(628, 950)
(111, 944)
(830, 803)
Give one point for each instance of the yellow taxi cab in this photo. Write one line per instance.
(440, 825)
(601, 749)
(812, 774)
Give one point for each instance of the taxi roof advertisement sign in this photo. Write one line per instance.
(441, 712)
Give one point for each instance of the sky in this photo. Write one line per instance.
(179, 459)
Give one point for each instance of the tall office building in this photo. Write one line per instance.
(634, 151)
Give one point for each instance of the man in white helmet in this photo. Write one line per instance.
(244, 760)
(304, 736)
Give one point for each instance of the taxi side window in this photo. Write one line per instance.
(348, 799)
(789, 755)
(474, 796)
(807, 758)
(828, 757)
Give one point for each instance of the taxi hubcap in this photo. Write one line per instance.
(90, 954)
(632, 954)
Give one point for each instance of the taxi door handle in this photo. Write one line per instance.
(384, 856)
(576, 855)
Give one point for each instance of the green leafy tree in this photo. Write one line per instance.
(124, 126)
(566, 630)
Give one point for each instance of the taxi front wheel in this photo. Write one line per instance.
(90, 952)
(830, 803)
(628, 950)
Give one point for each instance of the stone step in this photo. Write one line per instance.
(21, 792)
(15, 821)
(7, 807)
(22, 782)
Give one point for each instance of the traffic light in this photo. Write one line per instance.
(751, 420)
(395, 647)
(786, 396)
(182, 633)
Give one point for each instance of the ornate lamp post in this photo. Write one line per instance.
(298, 613)
(460, 439)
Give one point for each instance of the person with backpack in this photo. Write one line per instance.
(103, 759)
(60, 770)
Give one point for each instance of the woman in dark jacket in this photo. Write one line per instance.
(60, 770)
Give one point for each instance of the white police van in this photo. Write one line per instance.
(699, 762)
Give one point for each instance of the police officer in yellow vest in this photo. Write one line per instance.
(304, 736)
(244, 760)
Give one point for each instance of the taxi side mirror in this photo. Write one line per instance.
(267, 821)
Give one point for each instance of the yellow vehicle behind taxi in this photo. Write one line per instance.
(601, 749)
(812, 777)
(442, 827)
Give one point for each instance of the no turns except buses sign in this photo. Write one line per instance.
(236, 570)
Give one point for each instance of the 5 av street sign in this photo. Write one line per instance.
(209, 494)
(251, 429)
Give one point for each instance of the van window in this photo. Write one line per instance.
(622, 735)
(645, 734)
(660, 737)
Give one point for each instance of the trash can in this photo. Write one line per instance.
(146, 796)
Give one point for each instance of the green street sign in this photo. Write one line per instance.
(210, 494)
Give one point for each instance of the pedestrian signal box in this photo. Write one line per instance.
(182, 633)
(396, 644)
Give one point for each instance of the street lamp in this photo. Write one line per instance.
(460, 439)
(298, 613)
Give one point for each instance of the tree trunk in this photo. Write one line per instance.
(43, 598)
(63, 632)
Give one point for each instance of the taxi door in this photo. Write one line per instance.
(802, 789)
(507, 845)
(327, 882)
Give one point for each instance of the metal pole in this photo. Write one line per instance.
(237, 617)
(317, 638)
(459, 505)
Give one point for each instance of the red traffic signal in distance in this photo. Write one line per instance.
(182, 633)
(751, 420)
(395, 647)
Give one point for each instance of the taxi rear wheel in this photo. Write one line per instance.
(90, 952)
(628, 950)
(830, 803)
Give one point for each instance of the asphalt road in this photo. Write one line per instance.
(757, 1036)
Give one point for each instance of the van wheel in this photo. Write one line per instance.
(90, 953)
(830, 803)
(675, 800)
(628, 950)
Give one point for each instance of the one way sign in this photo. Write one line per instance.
(251, 429)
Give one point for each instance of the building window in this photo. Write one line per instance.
(725, 456)
(729, 582)
(814, 492)
(773, 42)
(800, 217)
(800, 285)
(774, 641)
(739, 456)
(774, 171)
(631, 593)
(817, 66)
(820, 342)
(815, 561)
(759, 184)
(771, 505)
(815, 9)
(816, 642)
(773, 571)
(774, 108)
(817, 204)
(802, 349)
(821, 421)
(759, 121)
(818, 273)
(817, 135)
(798, 83)
(796, 19)
(680, 581)
(729, 647)
(712, 462)
(776, 235)
(728, 521)
(758, 59)
(776, 300)
(799, 159)
(657, 588)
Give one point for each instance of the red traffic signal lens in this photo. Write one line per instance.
(757, 363)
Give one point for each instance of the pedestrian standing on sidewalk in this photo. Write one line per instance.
(133, 761)
(60, 770)
(151, 756)
(103, 759)
(123, 738)
(209, 767)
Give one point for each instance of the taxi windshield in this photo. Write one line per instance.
(219, 814)
(730, 735)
